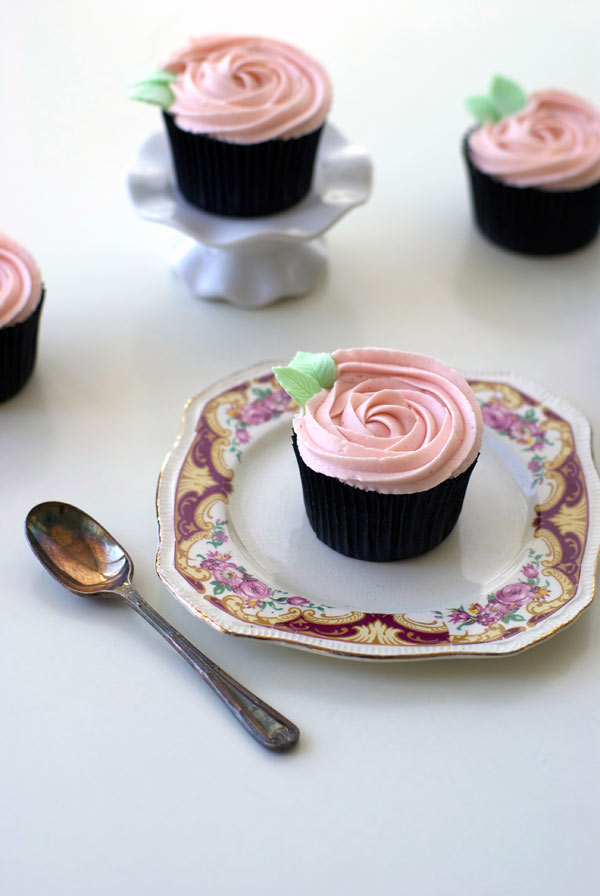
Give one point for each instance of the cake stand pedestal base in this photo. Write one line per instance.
(251, 274)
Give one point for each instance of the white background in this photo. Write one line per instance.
(120, 772)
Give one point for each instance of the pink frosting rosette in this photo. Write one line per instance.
(553, 143)
(247, 89)
(393, 422)
(20, 283)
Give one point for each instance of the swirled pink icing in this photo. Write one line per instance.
(553, 143)
(20, 283)
(247, 89)
(393, 422)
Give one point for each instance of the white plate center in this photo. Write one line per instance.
(270, 529)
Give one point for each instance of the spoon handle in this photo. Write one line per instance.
(264, 723)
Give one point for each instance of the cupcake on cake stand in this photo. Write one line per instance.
(252, 262)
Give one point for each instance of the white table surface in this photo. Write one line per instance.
(120, 772)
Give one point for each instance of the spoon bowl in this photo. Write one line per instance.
(85, 558)
(77, 550)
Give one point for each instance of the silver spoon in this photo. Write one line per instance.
(87, 560)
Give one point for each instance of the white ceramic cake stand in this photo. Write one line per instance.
(252, 262)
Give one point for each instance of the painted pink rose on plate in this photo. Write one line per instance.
(253, 589)
(497, 417)
(527, 432)
(256, 412)
(242, 435)
(228, 574)
(298, 601)
(278, 402)
(514, 596)
(487, 616)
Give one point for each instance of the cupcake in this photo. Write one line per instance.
(534, 168)
(386, 442)
(21, 296)
(244, 116)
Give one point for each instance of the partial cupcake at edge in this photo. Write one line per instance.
(534, 168)
(386, 442)
(244, 116)
(21, 299)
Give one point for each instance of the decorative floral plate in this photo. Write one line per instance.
(237, 550)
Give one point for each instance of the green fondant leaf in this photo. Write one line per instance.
(160, 76)
(157, 94)
(319, 365)
(507, 96)
(299, 385)
(482, 109)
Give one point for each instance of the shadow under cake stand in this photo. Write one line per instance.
(252, 262)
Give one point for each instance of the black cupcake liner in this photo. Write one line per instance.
(368, 525)
(18, 348)
(242, 180)
(530, 220)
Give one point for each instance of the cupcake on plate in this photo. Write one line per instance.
(534, 168)
(21, 296)
(244, 116)
(386, 442)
